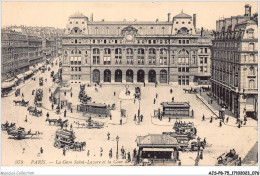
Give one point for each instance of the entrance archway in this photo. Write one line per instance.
(140, 76)
(107, 76)
(163, 76)
(129, 75)
(152, 76)
(96, 76)
(118, 75)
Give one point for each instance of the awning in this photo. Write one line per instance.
(8, 84)
(20, 76)
(158, 149)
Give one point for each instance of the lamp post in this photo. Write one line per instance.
(117, 140)
(120, 108)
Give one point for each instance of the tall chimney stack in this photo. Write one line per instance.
(169, 17)
(247, 10)
(194, 21)
(91, 17)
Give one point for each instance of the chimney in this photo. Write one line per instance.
(91, 17)
(221, 24)
(217, 25)
(194, 21)
(202, 31)
(247, 10)
(157, 20)
(233, 22)
(169, 17)
(227, 23)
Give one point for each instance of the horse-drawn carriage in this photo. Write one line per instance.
(7, 127)
(228, 159)
(34, 111)
(65, 139)
(94, 124)
(38, 97)
(58, 122)
(17, 92)
(191, 91)
(4, 93)
(21, 103)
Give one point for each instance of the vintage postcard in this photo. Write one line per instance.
(129, 83)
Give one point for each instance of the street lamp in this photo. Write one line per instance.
(117, 140)
(120, 108)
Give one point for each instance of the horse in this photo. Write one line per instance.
(79, 145)
(186, 90)
(16, 102)
(54, 121)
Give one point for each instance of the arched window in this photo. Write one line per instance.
(163, 56)
(183, 58)
(96, 56)
(152, 56)
(118, 56)
(140, 56)
(107, 56)
(251, 84)
(129, 56)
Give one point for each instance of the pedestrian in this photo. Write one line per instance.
(121, 121)
(52, 106)
(134, 153)
(239, 125)
(211, 119)
(65, 112)
(201, 154)
(49, 90)
(134, 101)
(65, 93)
(203, 118)
(169, 119)
(70, 127)
(110, 116)
(101, 151)
(154, 100)
(141, 117)
(47, 115)
(23, 150)
(227, 119)
(128, 157)
(220, 123)
(135, 117)
(144, 84)
(64, 151)
(41, 150)
(204, 140)
(244, 123)
(171, 91)
(211, 101)
(114, 93)
(156, 95)
(71, 110)
(88, 153)
(179, 164)
(110, 153)
(122, 150)
(108, 136)
(70, 94)
(25, 118)
(61, 106)
(22, 95)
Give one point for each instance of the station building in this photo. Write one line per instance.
(167, 52)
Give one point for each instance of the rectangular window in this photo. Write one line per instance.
(206, 50)
(187, 69)
(179, 69)
(201, 60)
(201, 68)
(205, 60)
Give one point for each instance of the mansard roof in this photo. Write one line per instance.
(182, 15)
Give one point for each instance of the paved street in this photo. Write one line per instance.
(220, 139)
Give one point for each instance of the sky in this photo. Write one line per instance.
(56, 14)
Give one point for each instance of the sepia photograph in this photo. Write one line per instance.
(129, 83)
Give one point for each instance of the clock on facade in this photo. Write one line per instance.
(129, 37)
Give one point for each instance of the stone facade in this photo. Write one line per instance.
(166, 52)
(235, 64)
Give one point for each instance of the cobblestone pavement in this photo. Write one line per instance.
(220, 139)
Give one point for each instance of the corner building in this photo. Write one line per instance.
(235, 64)
(167, 52)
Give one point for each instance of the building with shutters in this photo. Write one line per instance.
(235, 64)
(168, 52)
